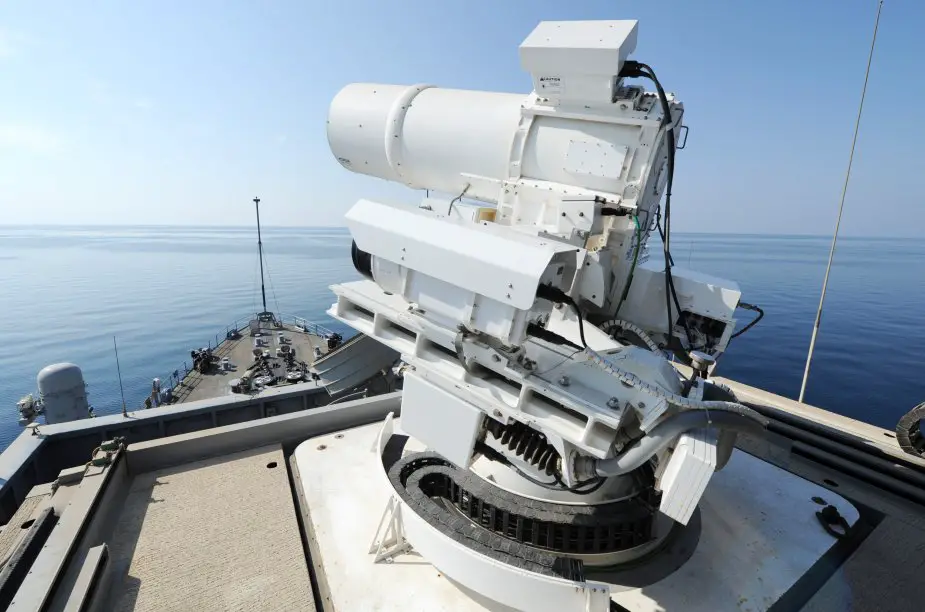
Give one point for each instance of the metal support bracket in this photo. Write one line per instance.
(389, 540)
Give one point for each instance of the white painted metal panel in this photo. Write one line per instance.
(577, 62)
(699, 293)
(505, 269)
(442, 421)
(578, 47)
(554, 140)
(590, 158)
(687, 474)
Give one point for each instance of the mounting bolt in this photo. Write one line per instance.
(495, 358)
(642, 405)
(564, 381)
(613, 403)
(496, 413)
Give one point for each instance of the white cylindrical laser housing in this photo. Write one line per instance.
(423, 136)
(446, 139)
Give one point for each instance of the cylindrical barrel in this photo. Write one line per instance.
(423, 136)
(430, 138)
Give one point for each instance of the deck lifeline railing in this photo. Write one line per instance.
(240, 324)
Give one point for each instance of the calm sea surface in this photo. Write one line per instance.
(161, 291)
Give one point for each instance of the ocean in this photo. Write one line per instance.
(164, 290)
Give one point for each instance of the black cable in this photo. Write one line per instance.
(638, 69)
(661, 232)
(754, 308)
(581, 322)
(674, 293)
(677, 305)
(557, 485)
(495, 455)
(670, 292)
(458, 198)
(647, 224)
(542, 333)
(598, 483)
(554, 485)
(556, 295)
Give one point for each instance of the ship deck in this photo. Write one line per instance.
(238, 349)
(246, 559)
(235, 518)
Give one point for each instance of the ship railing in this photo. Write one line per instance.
(239, 325)
(308, 326)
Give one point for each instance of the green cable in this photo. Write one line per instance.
(629, 280)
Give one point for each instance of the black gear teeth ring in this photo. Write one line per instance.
(535, 535)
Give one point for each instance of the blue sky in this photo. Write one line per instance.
(178, 112)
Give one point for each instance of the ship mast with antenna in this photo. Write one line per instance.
(841, 208)
(263, 290)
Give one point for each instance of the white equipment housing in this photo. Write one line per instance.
(480, 299)
(549, 161)
(552, 163)
(475, 274)
(699, 294)
(63, 393)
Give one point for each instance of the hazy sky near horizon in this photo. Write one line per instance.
(180, 112)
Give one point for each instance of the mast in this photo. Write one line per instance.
(263, 291)
(841, 207)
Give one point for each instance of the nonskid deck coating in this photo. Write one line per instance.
(213, 535)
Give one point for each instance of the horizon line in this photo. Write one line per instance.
(21, 226)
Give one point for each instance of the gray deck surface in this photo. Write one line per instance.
(196, 386)
(222, 534)
(16, 529)
(219, 534)
(885, 573)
